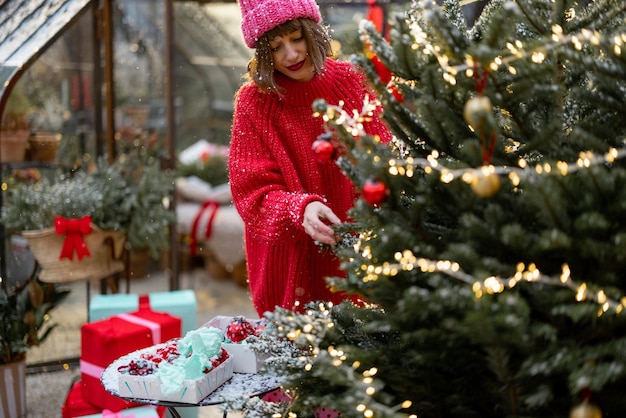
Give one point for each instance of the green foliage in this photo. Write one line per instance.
(213, 170)
(24, 319)
(117, 196)
(443, 342)
(18, 107)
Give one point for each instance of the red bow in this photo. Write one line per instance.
(208, 205)
(110, 414)
(74, 229)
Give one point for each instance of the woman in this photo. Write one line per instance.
(287, 198)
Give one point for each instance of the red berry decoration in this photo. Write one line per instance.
(239, 329)
(375, 192)
(323, 148)
(260, 327)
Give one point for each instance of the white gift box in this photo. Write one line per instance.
(245, 360)
(192, 391)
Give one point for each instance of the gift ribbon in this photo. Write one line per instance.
(155, 327)
(144, 302)
(73, 229)
(209, 204)
(110, 414)
(91, 369)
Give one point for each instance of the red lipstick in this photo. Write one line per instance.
(297, 66)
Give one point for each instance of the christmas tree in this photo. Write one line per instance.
(489, 241)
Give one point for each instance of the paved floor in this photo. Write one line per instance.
(46, 390)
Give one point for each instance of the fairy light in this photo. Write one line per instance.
(565, 274)
(371, 372)
(557, 32)
(538, 57)
(514, 178)
(407, 261)
(431, 164)
(617, 46)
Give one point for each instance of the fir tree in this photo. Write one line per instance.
(490, 238)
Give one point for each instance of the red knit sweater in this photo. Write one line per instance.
(273, 176)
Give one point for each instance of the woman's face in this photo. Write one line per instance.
(290, 57)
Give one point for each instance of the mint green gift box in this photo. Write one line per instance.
(179, 303)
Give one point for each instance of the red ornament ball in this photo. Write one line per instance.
(323, 148)
(375, 192)
(238, 329)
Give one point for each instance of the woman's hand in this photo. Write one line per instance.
(317, 216)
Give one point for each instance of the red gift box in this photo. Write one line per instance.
(75, 405)
(104, 341)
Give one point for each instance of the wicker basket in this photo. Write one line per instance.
(105, 248)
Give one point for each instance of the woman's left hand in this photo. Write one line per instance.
(316, 218)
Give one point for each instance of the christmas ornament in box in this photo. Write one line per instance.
(237, 329)
(104, 341)
(185, 370)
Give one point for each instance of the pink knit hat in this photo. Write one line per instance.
(259, 16)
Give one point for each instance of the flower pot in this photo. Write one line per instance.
(43, 146)
(13, 145)
(13, 389)
(105, 249)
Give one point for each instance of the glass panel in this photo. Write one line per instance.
(210, 59)
(54, 95)
(139, 78)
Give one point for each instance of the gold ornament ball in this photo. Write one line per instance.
(477, 110)
(486, 185)
(585, 410)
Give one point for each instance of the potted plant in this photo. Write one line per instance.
(15, 127)
(107, 204)
(24, 323)
(46, 123)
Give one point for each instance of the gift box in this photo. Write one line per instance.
(191, 391)
(245, 360)
(180, 303)
(138, 412)
(75, 404)
(104, 341)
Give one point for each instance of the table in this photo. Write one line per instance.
(241, 384)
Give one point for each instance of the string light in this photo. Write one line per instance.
(516, 49)
(586, 160)
(407, 261)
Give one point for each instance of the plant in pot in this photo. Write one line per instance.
(24, 323)
(15, 127)
(77, 225)
(46, 123)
